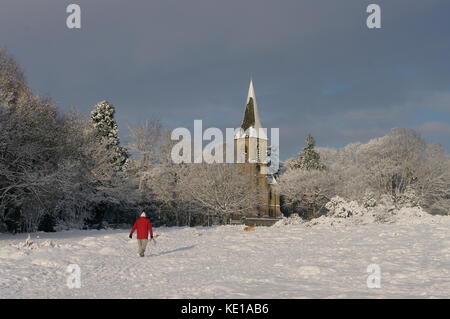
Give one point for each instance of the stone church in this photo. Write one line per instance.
(252, 149)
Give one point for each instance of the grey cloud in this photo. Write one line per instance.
(316, 67)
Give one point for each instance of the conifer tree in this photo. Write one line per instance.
(106, 128)
(309, 158)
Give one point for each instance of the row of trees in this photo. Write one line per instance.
(400, 165)
(69, 170)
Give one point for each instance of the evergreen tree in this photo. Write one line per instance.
(106, 128)
(309, 158)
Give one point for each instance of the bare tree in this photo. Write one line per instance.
(218, 189)
(146, 140)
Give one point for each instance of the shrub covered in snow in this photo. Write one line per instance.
(340, 208)
(293, 219)
(341, 211)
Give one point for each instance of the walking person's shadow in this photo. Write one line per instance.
(172, 251)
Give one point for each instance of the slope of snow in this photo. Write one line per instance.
(288, 261)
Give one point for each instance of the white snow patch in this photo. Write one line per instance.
(291, 261)
(342, 212)
(294, 219)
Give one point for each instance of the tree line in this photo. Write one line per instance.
(400, 168)
(62, 170)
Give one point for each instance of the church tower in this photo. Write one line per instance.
(251, 139)
(251, 145)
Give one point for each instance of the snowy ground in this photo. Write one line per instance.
(293, 261)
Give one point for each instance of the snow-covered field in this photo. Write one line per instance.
(293, 261)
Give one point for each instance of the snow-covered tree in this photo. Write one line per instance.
(146, 142)
(309, 158)
(100, 194)
(13, 88)
(31, 146)
(106, 128)
(218, 188)
(306, 192)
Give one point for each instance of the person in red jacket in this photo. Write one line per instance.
(143, 227)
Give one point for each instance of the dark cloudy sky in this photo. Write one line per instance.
(317, 68)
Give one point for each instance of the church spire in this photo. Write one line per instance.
(251, 91)
(251, 115)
